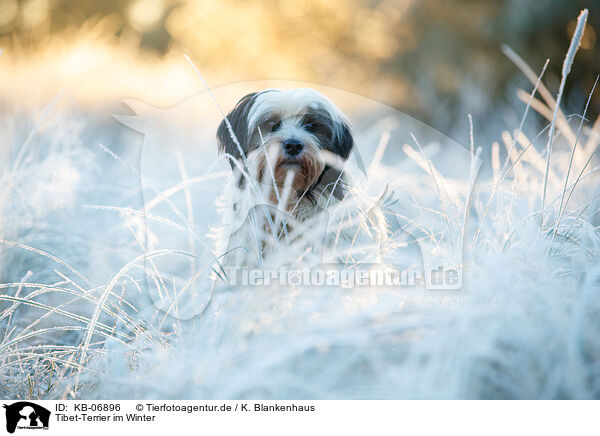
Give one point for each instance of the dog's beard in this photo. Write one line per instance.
(285, 179)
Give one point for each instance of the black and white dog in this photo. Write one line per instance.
(287, 150)
(296, 135)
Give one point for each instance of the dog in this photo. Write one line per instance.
(287, 151)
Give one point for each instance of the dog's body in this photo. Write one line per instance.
(287, 150)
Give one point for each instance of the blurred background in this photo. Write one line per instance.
(436, 60)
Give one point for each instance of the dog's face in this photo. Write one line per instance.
(295, 138)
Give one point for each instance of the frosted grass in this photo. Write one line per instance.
(104, 295)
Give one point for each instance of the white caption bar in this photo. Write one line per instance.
(302, 417)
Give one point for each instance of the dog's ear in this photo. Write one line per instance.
(332, 178)
(233, 134)
(342, 141)
(333, 182)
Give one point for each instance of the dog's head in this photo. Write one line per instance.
(296, 138)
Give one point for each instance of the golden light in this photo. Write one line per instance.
(34, 13)
(8, 12)
(145, 14)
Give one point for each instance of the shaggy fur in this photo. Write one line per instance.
(287, 150)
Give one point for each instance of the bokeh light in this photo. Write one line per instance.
(435, 59)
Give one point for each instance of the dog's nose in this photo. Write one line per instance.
(292, 146)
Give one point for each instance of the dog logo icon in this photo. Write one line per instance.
(26, 415)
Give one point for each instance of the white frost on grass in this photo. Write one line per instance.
(89, 270)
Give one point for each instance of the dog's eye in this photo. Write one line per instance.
(276, 126)
(311, 127)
